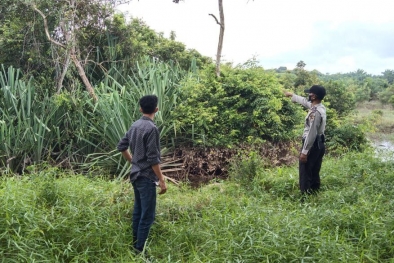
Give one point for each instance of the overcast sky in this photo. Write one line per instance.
(331, 36)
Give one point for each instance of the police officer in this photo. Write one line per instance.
(313, 149)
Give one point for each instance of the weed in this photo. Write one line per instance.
(255, 216)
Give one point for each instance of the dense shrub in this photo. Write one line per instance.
(339, 97)
(244, 105)
(346, 137)
(387, 95)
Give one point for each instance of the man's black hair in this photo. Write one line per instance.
(148, 103)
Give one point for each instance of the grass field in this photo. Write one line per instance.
(255, 216)
(51, 215)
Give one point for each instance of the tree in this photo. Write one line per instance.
(220, 22)
(376, 85)
(22, 44)
(301, 64)
(339, 98)
(360, 75)
(172, 35)
(388, 74)
(133, 39)
(112, 48)
(221, 35)
(287, 79)
(73, 18)
(387, 95)
(304, 78)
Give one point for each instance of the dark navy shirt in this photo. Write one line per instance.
(143, 139)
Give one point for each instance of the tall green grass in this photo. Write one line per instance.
(71, 130)
(47, 218)
(27, 122)
(52, 216)
(118, 108)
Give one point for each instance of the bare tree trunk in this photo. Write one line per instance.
(63, 73)
(85, 79)
(221, 35)
(67, 59)
(71, 41)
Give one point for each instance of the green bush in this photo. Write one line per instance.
(118, 107)
(243, 105)
(386, 96)
(70, 129)
(39, 127)
(346, 137)
(339, 97)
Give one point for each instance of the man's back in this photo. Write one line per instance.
(143, 139)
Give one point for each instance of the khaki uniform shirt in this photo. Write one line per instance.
(315, 122)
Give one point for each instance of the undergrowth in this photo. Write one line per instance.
(52, 216)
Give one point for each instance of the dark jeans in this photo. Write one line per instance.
(309, 172)
(144, 210)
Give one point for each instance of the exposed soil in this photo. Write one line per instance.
(202, 165)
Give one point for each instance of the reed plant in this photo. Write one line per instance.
(72, 130)
(27, 126)
(118, 108)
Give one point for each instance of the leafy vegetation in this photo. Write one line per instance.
(53, 216)
(62, 193)
(99, 47)
(126, 59)
(118, 108)
(244, 105)
(70, 129)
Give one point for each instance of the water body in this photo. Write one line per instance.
(384, 150)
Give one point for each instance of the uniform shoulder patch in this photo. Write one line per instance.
(311, 116)
(314, 109)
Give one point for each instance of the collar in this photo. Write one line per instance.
(146, 118)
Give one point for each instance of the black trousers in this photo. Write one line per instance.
(309, 177)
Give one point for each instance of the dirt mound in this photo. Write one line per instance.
(201, 165)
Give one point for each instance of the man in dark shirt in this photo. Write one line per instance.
(143, 140)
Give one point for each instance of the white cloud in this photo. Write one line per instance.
(330, 36)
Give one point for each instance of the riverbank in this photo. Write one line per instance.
(382, 117)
